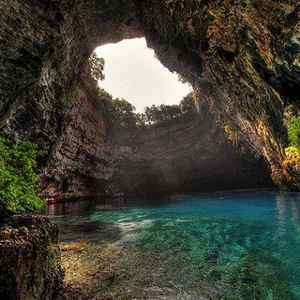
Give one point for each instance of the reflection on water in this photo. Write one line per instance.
(281, 213)
(83, 206)
(288, 210)
(244, 245)
(295, 215)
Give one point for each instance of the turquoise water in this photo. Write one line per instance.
(242, 245)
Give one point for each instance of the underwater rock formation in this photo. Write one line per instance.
(29, 259)
(242, 59)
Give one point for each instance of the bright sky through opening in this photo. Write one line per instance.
(132, 72)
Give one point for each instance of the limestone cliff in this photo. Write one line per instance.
(242, 59)
(188, 153)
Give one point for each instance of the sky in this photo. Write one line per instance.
(132, 72)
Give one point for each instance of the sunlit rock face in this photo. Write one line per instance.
(242, 59)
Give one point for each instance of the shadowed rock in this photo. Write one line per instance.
(242, 59)
(29, 259)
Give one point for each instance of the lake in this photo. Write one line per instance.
(234, 245)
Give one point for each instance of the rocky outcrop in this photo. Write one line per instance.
(78, 165)
(29, 259)
(183, 155)
(242, 59)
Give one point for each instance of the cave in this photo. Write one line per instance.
(242, 59)
(47, 95)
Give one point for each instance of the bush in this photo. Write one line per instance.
(188, 103)
(294, 132)
(18, 187)
(231, 134)
(292, 151)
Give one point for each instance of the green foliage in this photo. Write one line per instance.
(231, 134)
(292, 159)
(104, 95)
(97, 67)
(17, 177)
(118, 111)
(123, 111)
(188, 103)
(294, 131)
(140, 119)
(292, 151)
(159, 114)
(71, 96)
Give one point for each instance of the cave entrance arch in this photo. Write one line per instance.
(190, 153)
(227, 58)
(132, 72)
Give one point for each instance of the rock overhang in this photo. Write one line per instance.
(241, 59)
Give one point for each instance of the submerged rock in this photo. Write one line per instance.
(29, 259)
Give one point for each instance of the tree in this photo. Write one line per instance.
(140, 119)
(97, 67)
(124, 112)
(159, 114)
(169, 112)
(151, 114)
(104, 95)
(118, 111)
(18, 189)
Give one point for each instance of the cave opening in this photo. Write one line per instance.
(132, 71)
(87, 157)
(243, 58)
(46, 79)
(174, 147)
(102, 151)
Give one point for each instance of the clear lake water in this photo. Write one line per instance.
(243, 245)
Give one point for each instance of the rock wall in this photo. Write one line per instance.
(78, 165)
(186, 154)
(242, 59)
(29, 259)
(45, 87)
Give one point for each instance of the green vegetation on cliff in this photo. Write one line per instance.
(118, 111)
(294, 132)
(18, 187)
(291, 162)
(97, 67)
(121, 112)
(293, 151)
(162, 113)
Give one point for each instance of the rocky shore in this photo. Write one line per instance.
(29, 259)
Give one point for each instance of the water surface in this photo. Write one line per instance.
(242, 245)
